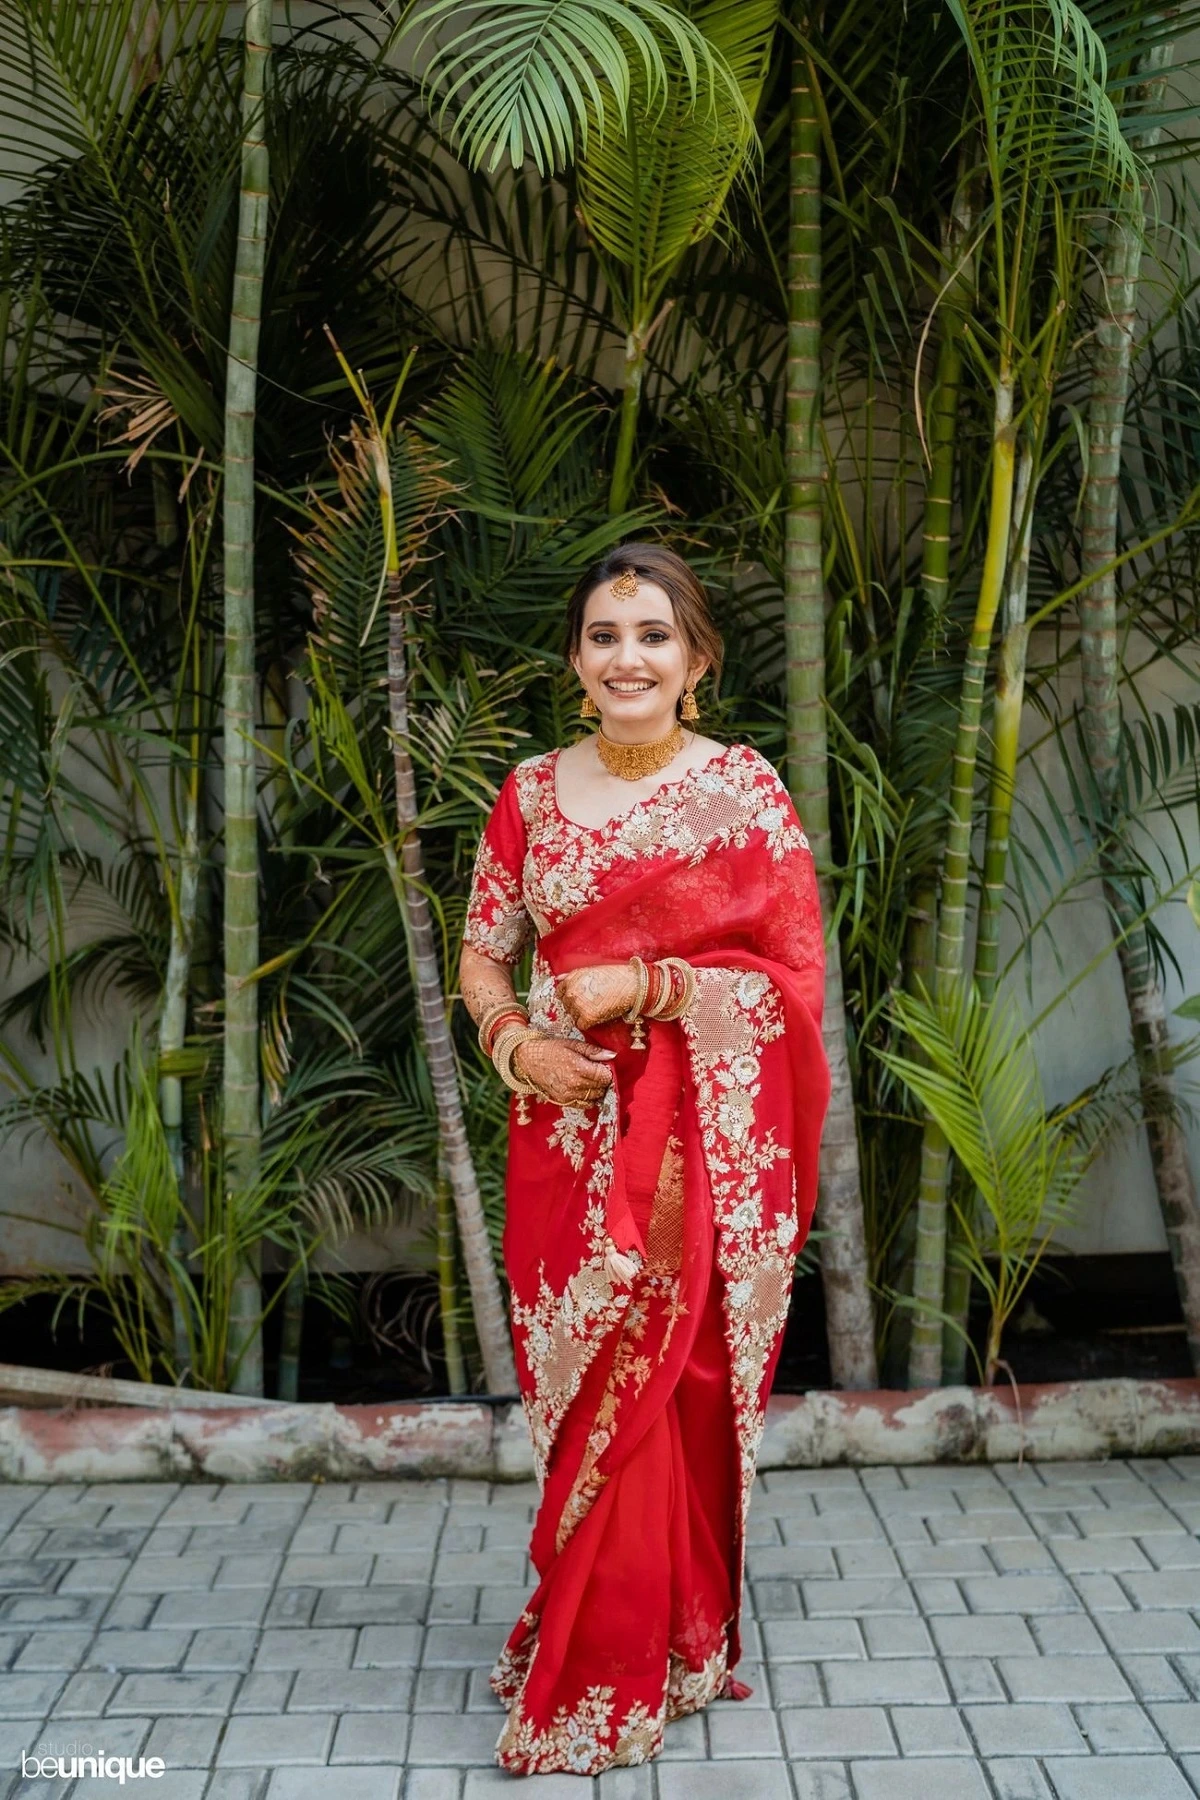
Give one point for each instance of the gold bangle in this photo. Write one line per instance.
(507, 1043)
(634, 1015)
(665, 990)
(643, 984)
(689, 987)
(495, 1012)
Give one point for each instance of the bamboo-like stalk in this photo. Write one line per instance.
(621, 484)
(172, 1031)
(447, 1267)
(241, 1103)
(844, 1272)
(936, 540)
(291, 1335)
(1100, 669)
(929, 1269)
(407, 872)
(942, 411)
(1007, 704)
(183, 897)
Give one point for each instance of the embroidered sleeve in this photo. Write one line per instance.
(498, 924)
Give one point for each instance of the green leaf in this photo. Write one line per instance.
(535, 77)
(657, 185)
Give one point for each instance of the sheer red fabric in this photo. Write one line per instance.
(645, 1397)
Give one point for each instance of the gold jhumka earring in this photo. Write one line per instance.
(689, 711)
(588, 708)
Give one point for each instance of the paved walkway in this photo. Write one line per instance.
(928, 1634)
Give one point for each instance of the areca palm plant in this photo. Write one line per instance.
(1049, 137)
(144, 335)
(361, 555)
(1145, 46)
(978, 1077)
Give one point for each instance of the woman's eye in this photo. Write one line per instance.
(655, 637)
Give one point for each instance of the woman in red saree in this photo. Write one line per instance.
(662, 1164)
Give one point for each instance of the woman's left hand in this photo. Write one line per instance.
(601, 991)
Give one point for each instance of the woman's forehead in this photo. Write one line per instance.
(650, 604)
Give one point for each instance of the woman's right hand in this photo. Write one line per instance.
(568, 1071)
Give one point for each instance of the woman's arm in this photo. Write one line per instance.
(570, 1073)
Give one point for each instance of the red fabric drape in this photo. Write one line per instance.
(646, 1398)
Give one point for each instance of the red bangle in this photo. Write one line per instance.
(505, 1018)
(654, 990)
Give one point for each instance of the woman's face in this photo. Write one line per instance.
(633, 660)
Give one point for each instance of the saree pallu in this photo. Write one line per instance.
(646, 1397)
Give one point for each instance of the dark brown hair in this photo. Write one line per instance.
(684, 589)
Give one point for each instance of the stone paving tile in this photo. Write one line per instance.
(995, 1635)
(334, 1784)
(1153, 1678)
(710, 1781)
(896, 1682)
(930, 1731)
(888, 1636)
(302, 1648)
(737, 1731)
(85, 1695)
(29, 1696)
(352, 1690)
(184, 1743)
(837, 1731)
(1063, 1678)
(443, 1738)
(1111, 1730)
(812, 1639)
(196, 1610)
(399, 1647)
(49, 1650)
(1018, 1778)
(371, 1738)
(186, 1694)
(1155, 1631)
(951, 1779)
(1167, 1588)
(123, 1651)
(1067, 1634)
(1179, 1724)
(381, 1606)
(973, 1678)
(1119, 1778)
(821, 1781)
(265, 1742)
(1026, 1729)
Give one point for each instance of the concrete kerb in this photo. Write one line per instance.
(1057, 1421)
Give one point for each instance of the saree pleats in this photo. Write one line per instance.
(643, 1590)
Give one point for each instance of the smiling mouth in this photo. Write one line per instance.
(629, 687)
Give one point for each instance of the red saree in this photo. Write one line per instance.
(645, 1399)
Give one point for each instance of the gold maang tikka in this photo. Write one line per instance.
(625, 585)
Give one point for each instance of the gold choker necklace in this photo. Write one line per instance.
(632, 761)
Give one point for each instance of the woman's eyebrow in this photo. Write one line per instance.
(608, 624)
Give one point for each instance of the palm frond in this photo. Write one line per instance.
(536, 77)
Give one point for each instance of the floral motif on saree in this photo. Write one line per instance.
(646, 1399)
